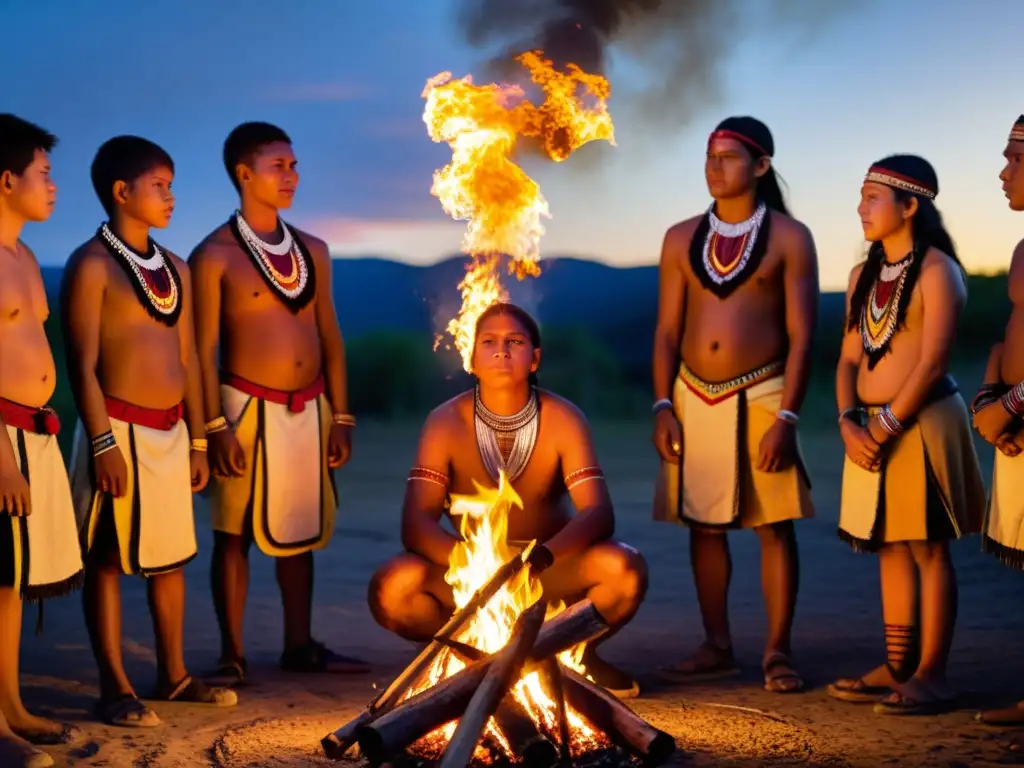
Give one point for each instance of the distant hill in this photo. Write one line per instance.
(617, 304)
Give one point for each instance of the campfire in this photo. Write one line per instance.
(502, 680)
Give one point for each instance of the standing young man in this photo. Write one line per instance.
(276, 397)
(999, 409)
(39, 554)
(140, 452)
(737, 306)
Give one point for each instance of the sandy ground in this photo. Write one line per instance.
(734, 722)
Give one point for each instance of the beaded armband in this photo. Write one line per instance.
(790, 417)
(343, 419)
(889, 422)
(428, 476)
(199, 445)
(581, 476)
(1013, 400)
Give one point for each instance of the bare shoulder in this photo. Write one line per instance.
(91, 258)
(448, 416)
(179, 264)
(28, 253)
(679, 235)
(794, 235)
(855, 273)
(941, 271)
(562, 413)
(316, 246)
(1017, 262)
(214, 249)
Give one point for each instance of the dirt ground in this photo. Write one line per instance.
(281, 718)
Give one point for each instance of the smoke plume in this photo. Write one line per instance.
(671, 53)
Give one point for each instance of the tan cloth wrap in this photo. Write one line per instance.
(937, 445)
(722, 487)
(159, 487)
(286, 496)
(48, 536)
(1004, 521)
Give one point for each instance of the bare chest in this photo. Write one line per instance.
(247, 290)
(539, 479)
(21, 293)
(125, 310)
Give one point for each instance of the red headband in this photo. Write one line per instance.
(1017, 132)
(724, 134)
(881, 175)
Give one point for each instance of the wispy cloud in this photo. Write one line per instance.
(318, 92)
(410, 239)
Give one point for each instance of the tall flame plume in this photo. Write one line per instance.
(483, 186)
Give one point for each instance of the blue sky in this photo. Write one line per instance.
(936, 77)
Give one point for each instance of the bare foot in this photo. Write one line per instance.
(18, 753)
(39, 730)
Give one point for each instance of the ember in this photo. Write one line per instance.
(502, 679)
(483, 186)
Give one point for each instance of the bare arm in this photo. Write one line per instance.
(426, 492)
(207, 272)
(331, 341)
(671, 302)
(194, 411)
(850, 355)
(594, 520)
(943, 295)
(84, 287)
(8, 461)
(993, 368)
(800, 282)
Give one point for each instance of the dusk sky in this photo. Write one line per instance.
(934, 77)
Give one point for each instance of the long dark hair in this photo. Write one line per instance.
(929, 232)
(521, 316)
(769, 190)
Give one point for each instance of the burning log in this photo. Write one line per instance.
(526, 741)
(503, 671)
(621, 724)
(553, 676)
(336, 744)
(396, 729)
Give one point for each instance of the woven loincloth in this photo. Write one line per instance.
(285, 498)
(929, 487)
(153, 521)
(39, 554)
(717, 484)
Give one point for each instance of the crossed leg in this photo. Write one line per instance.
(410, 597)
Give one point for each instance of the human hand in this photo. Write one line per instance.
(339, 445)
(992, 422)
(778, 447)
(860, 446)
(226, 457)
(111, 472)
(540, 559)
(668, 436)
(15, 499)
(199, 466)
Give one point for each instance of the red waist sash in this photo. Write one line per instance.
(153, 418)
(38, 421)
(296, 400)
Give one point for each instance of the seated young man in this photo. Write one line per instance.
(543, 444)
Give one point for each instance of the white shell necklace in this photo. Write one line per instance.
(290, 285)
(523, 425)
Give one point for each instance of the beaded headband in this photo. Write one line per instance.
(742, 138)
(880, 175)
(1017, 132)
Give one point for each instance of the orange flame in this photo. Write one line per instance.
(483, 525)
(503, 206)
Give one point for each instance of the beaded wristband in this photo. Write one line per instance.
(889, 422)
(788, 416)
(216, 425)
(199, 445)
(103, 443)
(661, 405)
(986, 395)
(848, 413)
(343, 419)
(1013, 400)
